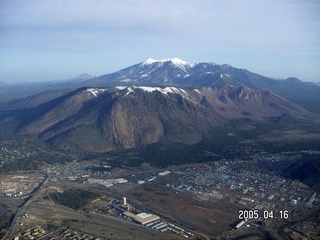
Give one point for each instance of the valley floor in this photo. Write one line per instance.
(243, 199)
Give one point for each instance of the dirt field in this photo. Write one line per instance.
(210, 217)
(19, 184)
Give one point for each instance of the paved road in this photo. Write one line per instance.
(22, 208)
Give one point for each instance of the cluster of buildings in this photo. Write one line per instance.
(33, 233)
(106, 182)
(84, 172)
(11, 151)
(256, 182)
(153, 177)
(16, 186)
(70, 234)
(68, 171)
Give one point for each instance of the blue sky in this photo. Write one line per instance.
(46, 40)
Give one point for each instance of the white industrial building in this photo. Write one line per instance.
(142, 218)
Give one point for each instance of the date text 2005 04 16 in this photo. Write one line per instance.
(265, 214)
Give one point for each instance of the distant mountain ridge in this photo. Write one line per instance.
(83, 76)
(36, 100)
(180, 73)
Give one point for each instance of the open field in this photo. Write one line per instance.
(210, 217)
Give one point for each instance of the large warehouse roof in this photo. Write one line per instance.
(142, 218)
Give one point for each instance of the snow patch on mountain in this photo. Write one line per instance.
(224, 75)
(95, 91)
(149, 61)
(126, 80)
(165, 90)
(175, 61)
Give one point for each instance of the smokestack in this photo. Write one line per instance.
(124, 201)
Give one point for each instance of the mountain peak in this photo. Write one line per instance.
(149, 61)
(175, 61)
(83, 76)
(88, 75)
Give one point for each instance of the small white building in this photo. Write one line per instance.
(240, 224)
(140, 182)
(293, 201)
(163, 173)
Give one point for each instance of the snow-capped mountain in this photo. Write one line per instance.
(149, 72)
(180, 73)
(174, 72)
(177, 72)
(169, 72)
(183, 65)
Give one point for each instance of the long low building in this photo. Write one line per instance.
(107, 182)
(142, 218)
(240, 224)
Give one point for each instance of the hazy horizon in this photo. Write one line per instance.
(54, 40)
